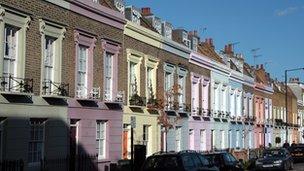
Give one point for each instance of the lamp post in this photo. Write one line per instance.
(286, 97)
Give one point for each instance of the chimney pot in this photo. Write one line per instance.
(146, 11)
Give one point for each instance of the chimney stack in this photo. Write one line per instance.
(146, 11)
(209, 42)
(228, 49)
(294, 80)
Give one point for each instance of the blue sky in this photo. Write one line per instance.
(274, 26)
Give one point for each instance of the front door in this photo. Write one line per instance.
(125, 144)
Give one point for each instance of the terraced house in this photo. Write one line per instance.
(154, 65)
(74, 75)
(263, 91)
(59, 94)
(298, 90)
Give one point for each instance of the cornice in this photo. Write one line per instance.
(154, 39)
(93, 11)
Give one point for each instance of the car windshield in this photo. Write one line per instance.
(273, 153)
(162, 162)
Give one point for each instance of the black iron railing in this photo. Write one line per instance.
(81, 162)
(53, 88)
(14, 84)
(137, 100)
(14, 165)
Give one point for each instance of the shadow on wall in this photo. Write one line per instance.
(42, 144)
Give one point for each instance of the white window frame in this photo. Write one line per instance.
(58, 33)
(203, 145)
(48, 60)
(205, 93)
(108, 76)
(20, 21)
(136, 58)
(222, 139)
(82, 85)
(178, 138)
(182, 77)
(147, 139)
(192, 140)
(212, 134)
(151, 64)
(36, 124)
(12, 47)
(101, 141)
(169, 71)
(237, 135)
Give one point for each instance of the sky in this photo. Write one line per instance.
(274, 27)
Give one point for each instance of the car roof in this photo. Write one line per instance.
(163, 153)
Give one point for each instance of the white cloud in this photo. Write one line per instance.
(287, 11)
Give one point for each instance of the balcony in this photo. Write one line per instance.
(53, 89)
(119, 98)
(136, 100)
(14, 85)
(84, 93)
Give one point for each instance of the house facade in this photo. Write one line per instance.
(59, 81)
(263, 91)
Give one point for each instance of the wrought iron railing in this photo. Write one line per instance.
(53, 88)
(14, 84)
(136, 100)
(85, 93)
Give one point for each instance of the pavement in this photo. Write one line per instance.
(298, 167)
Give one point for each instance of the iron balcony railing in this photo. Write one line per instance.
(84, 93)
(119, 98)
(53, 88)
(14, 84)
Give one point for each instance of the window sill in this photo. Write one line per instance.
(103, 161)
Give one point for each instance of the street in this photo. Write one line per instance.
(299, 167)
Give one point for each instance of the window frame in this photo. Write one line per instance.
(136, 58)
(56, 31)
(152, 64)
(178, 138)
(82, 85)
(104, 123)
(108, 59)
(34, 123)
(21, 21)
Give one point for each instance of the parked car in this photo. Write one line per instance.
(274, 159)
(178, 161)
(297, 152)
(224, 161)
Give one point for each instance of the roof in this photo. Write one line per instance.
(247, 70)
(205, 49)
